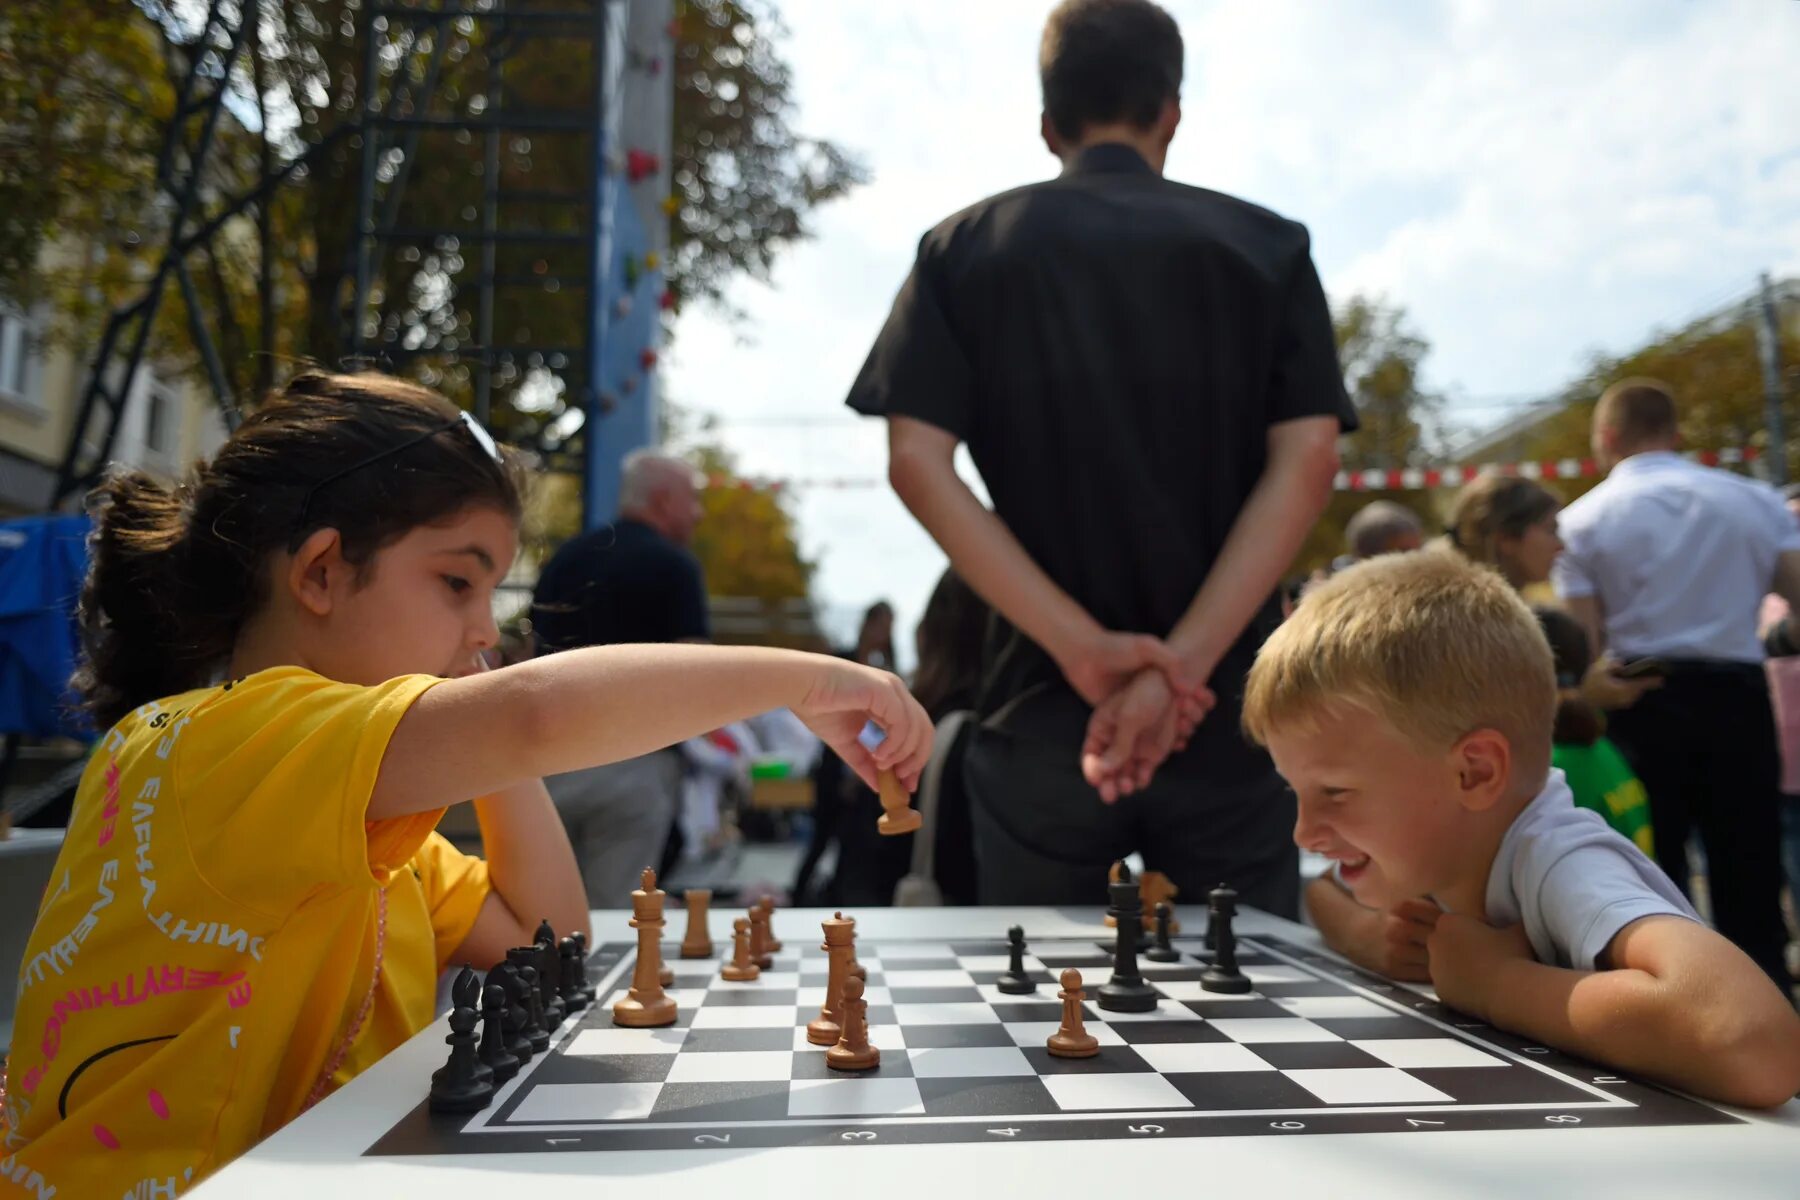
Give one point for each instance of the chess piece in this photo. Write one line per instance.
(464, 1084)
(1071, 1039)
(760, 953)
(573, 976)
(742, 968)
(1014, 981)
(1126, 991)
(646, 1005)
(897, 814)
(532, 956)
(1211, 936)
(518, 1020)
(1223, 976)
(549, 965)
(1162, 951)
(665, 974)
(587, 988)
(698, 942)
(853, 1051)
(770, 940)
(493, 1052)
(534, 1010)
(827, 1028)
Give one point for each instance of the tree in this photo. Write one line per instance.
(1401, 422)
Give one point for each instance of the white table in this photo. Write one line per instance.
(321, 1153)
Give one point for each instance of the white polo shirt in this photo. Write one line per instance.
(1679, 555)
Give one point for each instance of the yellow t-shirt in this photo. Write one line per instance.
(210, 930)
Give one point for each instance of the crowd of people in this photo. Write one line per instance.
(287, 655)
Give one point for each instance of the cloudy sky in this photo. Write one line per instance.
(1532, 180)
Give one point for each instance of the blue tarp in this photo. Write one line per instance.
(42, 563)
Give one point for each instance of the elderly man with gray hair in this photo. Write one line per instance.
(631, 581)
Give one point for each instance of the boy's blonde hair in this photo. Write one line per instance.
(1431, 643)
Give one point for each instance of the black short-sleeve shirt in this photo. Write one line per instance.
(623, 582)
(1113, 347)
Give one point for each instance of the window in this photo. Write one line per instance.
(15, 353)
(158, 420)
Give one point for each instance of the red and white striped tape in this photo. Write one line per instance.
(1406, 479)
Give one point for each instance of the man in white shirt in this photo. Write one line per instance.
(1670, 560)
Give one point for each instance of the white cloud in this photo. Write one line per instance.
(1532, 179)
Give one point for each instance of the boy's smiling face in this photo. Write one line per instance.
(1399, 821)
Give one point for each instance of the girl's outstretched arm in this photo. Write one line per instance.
(483, 733)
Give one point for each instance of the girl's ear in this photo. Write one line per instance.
(314, 569)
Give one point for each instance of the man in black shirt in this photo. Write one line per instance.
(1146, 377)
(631, 581)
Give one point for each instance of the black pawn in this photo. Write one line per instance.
(587, 989)
(549, 965)
(1162, 951)
(498, 1059)
(534, 1011)
(533, 956)
(518, 1041)
(573, 976)
(1126, 991)
(464, 1084)
(1014, 981)
(1223, 976)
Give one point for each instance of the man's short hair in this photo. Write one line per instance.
(1432, 644)
(1639, 412)
(645, 472)
(1103, 61)
(1377, 525)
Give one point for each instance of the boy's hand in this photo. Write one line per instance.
(1397, 945)
(1466, 958)
(845, 697)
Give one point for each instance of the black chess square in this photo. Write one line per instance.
(727, 1041)
(751, 997)
(1044, 980)
(1315, 987)
(1152, 1032)
(609, 1068)
(1214, 1010)
(1057, 960)
(1158, 972)
(811, 1064)
(1000, 1099)
(1363, 1029)
(1045, 1008)
(921, 964)
(935, 995)
(1499, 1085)
(933, 1037)
(1110, 1061)
(724, 1103)
(1216, 1091)
(972, 949)
(1313, 1056)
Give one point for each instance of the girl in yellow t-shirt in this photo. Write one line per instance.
(250, 906)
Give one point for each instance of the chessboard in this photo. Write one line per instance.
(1316, 1046)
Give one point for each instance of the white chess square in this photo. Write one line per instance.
(732, 1066)
(945, 1014)
(747, 1016)
(1179, 1058)
(602, 1043)
(882, 1037)
(1367, 1085)
(869, 1097)
(1276, 975)
(1045, 995)
(926, 979)
(1428, 1052)
(698, 968)
(1252, 1030)
(1190, 989)
(898, 952)
(1165, 1010)
(995, 962)
(964, 1062)
(1123, 1090)
(561, 1102)
(1333, 1006)
(1036, 1033)
(767, 981)
(813, 997)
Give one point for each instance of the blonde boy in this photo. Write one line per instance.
(1409, 702)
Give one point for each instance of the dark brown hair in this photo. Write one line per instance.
(1493, 506)
(949, 641)
(1639, 411)
(1108, 60)
(1578, 723)
(174, 573)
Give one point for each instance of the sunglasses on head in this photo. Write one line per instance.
(482, 437)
